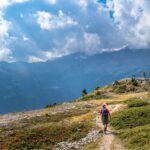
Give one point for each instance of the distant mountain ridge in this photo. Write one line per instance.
(27, 86)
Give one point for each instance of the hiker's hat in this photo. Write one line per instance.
(104, 105)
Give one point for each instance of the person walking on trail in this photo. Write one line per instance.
(105, 114)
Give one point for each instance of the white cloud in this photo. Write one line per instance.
(54, 54)
(4, 28)
(133, 21)
(66, 47)
(5, 55)
(6, 3)
(86, 26)
(34, 59)
(4, 39)
(47, 55)
(52, 2)
(92, 42)
(114, 49)
(48, 21)
(25, 38)
(82, 3)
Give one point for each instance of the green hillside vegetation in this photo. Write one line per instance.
(134, 85)
(136, 102)
(45, 128)
(133, 124)
(45, 136)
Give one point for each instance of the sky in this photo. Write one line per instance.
(41, 30)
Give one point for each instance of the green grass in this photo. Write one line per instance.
(137, 138)
(58, 116)
(130, 118)
(45, 137)
(46, 118)
(97, 95)
(136, 102)
(45, 131)
(133, 125)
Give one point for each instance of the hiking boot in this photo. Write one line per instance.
(105, 130)
(100, 131)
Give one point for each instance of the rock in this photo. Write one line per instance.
(66, 145)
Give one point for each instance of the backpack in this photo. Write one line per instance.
(104, 112)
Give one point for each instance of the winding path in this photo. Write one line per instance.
(107, 142)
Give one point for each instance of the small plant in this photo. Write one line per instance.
(46, 114)
(116, 83)
(100, 95)
(86, 97)
(121, 89)
(97, 88)
(52, 105)
(144, 75)
(134, 81)
(84, 92)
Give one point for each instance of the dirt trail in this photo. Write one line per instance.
(108, 141)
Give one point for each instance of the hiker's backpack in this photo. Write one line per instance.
(104, 112)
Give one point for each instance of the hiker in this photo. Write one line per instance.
(104, 112)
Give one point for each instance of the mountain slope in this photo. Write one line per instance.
(73, 125)
(28, 86)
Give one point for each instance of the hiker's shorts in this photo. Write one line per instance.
(105, 120)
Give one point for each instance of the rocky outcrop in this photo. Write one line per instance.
(92, 136)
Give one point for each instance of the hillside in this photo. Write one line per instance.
(75, 125)
(26, 86)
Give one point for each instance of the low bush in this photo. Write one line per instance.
(137, 138)
(130, 118)
(120, 88)
(45, 137)
(133, 125)
(58, 116)
(52, 105)
(86, 97)
(136, 102)
(101, 95)
(134, 82)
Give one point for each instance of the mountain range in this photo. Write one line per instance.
(26, 86)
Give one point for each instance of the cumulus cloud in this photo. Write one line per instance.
(5, 55)
(6, 3)
(67, 47)
(133, 20)
(92, 42)
(47, 55)
(5, 27)
(48, 21)
(66, 27)
(82, 3)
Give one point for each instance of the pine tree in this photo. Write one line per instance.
(144, 75)
(84, 92)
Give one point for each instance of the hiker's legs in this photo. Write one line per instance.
(105, 127)
(105, 122)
